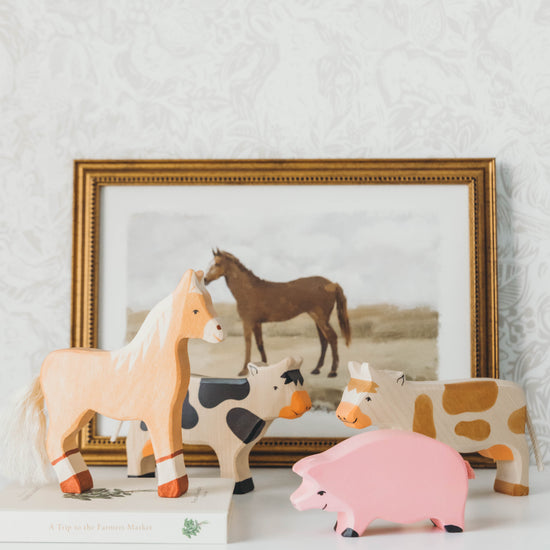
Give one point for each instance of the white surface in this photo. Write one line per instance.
(265, 519)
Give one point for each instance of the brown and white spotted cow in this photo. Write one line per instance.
(230, 415)
(481, 415)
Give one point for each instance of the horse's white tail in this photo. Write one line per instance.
(534, 441)
(23, 437)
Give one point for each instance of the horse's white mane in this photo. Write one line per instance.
(157, 320)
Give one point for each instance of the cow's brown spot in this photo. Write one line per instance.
(362, 386)
(498, 452)
(478, 430)
(474, 396)
(423, 421)
(516, 421)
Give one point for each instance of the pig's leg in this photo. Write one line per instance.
(350, 526)
(450, 525)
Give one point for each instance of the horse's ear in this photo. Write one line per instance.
(197, 284)
(185, 281)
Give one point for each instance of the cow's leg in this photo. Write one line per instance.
(247, 329)
(243, 477)
(513, 475)
(260, 341)
(324, 344)
(512, 466)
(139, 451)
(166, 437)
(64, 454)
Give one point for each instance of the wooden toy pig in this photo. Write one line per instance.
(392, 475)
(475, 415)
(230, 415)
(146, 380)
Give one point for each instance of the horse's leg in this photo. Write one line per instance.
(247, 329)
(165, 432)
(260, 341)
(332, 338)
(64, 454)
(324, 344)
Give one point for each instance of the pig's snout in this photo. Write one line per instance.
(300, 498)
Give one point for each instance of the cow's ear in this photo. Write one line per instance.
(354, 368)
(252, 369)
(298, 361)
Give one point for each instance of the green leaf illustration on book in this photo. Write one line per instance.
(102, 493)
(191, 527)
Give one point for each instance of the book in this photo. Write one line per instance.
(118, 510)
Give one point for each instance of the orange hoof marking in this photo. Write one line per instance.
(498, 452)
(78, 483)
(174, 488)
(512, 489)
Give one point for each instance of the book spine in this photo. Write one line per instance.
(174, 528)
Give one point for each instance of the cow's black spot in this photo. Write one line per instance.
(213, 391)
(244, 424)
(293, 376)
(243, 487)
(189, 415)
(143, 426)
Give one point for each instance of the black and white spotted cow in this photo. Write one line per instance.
(230, 415)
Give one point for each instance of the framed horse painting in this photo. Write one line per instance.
(391, 262)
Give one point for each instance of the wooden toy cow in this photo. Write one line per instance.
(481, 415)
(146, 380)
(393, 475)
(230, 415)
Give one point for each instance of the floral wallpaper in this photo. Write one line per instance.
(263, 79)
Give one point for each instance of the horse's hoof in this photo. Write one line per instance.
(174, 488)
(78, 483)
(332, 374)
(315, 371)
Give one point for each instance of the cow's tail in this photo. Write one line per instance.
(342, 311)
(534, 441)
(23, 437)
(470, 470)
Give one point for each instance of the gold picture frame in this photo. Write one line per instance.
(91, 176)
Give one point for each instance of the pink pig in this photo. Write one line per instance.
(393, 475)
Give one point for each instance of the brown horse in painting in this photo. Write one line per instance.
(260, 301)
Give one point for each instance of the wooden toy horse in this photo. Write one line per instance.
(260, 301)
(481, 415)
(145, 380)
